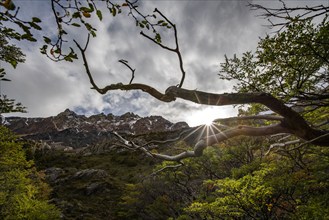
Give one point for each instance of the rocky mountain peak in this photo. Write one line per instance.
(67, 113)
(129, 115)
(78, 131)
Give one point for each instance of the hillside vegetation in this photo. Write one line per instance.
(239, 179)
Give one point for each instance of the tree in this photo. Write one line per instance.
(274, 79)
(288, 184)
(23, 194)
(12, 55)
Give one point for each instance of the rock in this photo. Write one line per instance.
(53, 174)
(67, 113)
(90, 173)
(94, 188)
(179, 125)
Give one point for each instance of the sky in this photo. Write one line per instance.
(207, 31)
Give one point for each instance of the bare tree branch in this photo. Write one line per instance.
(282, 145)
(168, 140)
(310, 141)
(252, 117)
(289, 14)
(211, 140)
(83, 53)
(175, 50)
(124, 62)
(292, 121)
(165, 168)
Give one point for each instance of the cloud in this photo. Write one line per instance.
(207, 31)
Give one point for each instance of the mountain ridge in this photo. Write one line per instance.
(78, 131)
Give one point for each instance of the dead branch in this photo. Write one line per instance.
(168, 140)
(282, 145)
(211, 140)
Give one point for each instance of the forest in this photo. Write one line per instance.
(271, 161)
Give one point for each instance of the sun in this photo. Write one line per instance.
(204, 117)
(208, 121)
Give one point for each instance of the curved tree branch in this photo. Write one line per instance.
(291, 119)
(211, 140)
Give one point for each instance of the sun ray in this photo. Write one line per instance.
(197, 97)
(192, 132)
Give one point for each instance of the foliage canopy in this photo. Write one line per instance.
(23, 194)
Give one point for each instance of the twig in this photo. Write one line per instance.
(309, 142)
(167, 141)
(175, 50)
(124, 62)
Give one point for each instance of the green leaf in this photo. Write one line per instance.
(35, 26)
(99, 14)
(36, 20)
(93, 33)
(57, 51)
(114, 11)
(47, 40)
(14, 63)
(76, 25)
(68, 58)
(157, 38)
(91, 6)
(76, 15)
